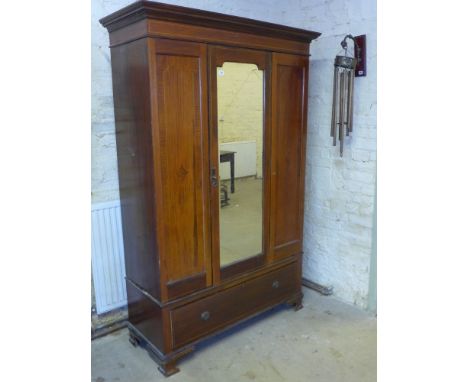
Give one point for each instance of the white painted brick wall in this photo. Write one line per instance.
(339, 191)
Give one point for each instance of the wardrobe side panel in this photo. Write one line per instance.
(130, 79)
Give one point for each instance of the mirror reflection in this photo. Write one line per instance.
(240, 146)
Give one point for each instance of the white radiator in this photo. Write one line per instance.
(107, 256)
(245, 159)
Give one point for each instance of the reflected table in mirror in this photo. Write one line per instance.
(228, 156)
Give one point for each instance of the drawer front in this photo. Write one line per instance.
(202, 317)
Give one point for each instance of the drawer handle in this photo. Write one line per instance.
(275, 284)
(205, 316)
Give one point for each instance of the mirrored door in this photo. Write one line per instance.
(238, 111)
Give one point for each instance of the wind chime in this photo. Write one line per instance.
(343, 86)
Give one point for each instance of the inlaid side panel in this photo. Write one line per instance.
(179, 134)
(289, 97)
(289, 153)
(181, 153)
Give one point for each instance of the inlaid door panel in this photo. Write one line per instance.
(289, 124)
(180, 138)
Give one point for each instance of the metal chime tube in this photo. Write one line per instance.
(348, 93)
(350, 101)
(341, 117)
(333, 122)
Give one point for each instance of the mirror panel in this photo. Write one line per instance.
(240, 89)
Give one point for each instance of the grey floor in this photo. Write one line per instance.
(241, 221)
(326, 341)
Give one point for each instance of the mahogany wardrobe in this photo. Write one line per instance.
(211, 122)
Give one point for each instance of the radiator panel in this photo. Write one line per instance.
(107, 256)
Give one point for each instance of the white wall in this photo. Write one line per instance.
(339, 191)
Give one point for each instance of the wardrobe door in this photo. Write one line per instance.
(180, 141)
(239, 143)
(289, 125)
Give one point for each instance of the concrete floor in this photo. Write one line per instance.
(241, 221)
(326, 341)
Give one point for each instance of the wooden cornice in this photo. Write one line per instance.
(166, 12)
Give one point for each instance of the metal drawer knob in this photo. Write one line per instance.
(275, 284)
(205, 316)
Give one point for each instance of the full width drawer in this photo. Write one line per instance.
(212, 313)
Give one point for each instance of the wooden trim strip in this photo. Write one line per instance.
(241, 266)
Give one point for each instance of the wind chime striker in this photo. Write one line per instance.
(343, 86)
